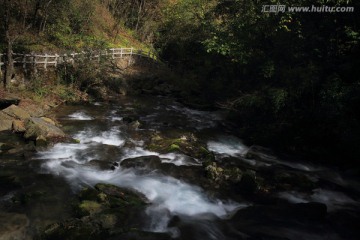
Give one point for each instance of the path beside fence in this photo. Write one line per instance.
(45, 61)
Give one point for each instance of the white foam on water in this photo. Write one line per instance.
(114, 119)
(82, 116)
(294, 197)
(200, 119)
(111, 137)
(179, 159)
(174, 158)
(298, 165)
(164, 192)
(333, 200)
(63, 152)
(227, 145)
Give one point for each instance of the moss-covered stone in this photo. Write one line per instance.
(103, 211)
(89, 208)
(174, 148)
(222, 174)
(77, 141)
(187, 144)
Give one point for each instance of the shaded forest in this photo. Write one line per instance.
(290, 81)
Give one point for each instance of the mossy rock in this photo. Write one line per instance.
(104, 211)
(87, 207)
(74, 229)
(118, 197)
(185, 143)
(222, 174)
(174, 148)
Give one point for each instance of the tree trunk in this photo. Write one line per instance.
(9, 62)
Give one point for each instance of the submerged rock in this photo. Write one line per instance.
(152, 162)
(102, 212)
(248, 183)
(13, 226)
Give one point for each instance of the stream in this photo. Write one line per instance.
(180, 207)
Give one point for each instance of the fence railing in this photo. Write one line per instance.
(52, 60)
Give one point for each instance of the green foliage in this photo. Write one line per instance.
(290, 79)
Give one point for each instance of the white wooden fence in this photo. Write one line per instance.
(52, 60)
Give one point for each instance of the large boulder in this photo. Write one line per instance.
(5, 122)
(16, 112)
(38, 128)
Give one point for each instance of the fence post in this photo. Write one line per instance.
(33, 57)
(1, 63)
(24, 61)
(113, 53)
(45, 61)
(64, 58)
(131, 53)
(73, 58)
(121, 52)
(56, 59)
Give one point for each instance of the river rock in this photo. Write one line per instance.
(103, 212)
(49, 120)
(18, 126)
(5, 122)
(292, 180)
(37, 128)
(186, 143)
(74, 229)
(16, 112)
(6, 146)
(13, 226)
(151, 162)
(248, 182)
(260, 153)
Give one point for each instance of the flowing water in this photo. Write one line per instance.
(105, 138)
